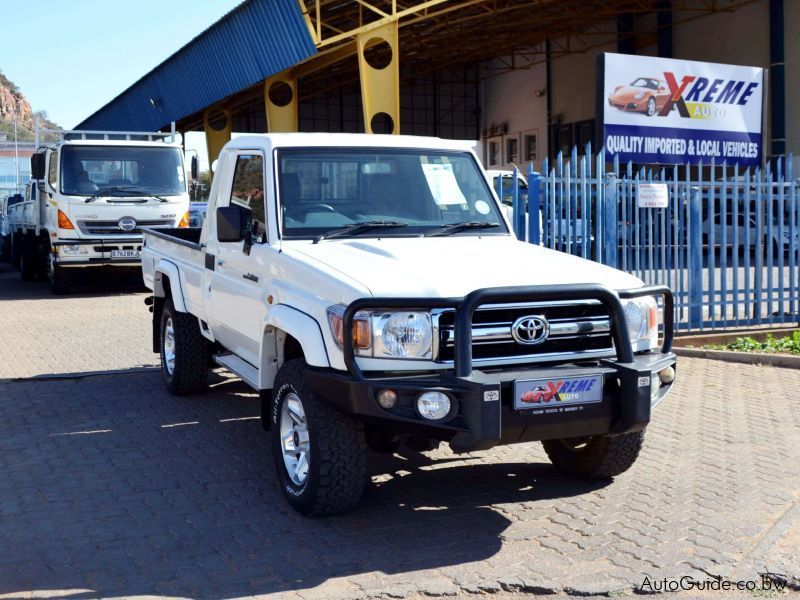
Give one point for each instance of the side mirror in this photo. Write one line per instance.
(37, 166)
(234, 223)
(194, 168)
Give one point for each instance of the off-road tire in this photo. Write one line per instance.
(192, 350)
(337, 467)
(603, 456)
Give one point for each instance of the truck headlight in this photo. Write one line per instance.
(71, 250)
(406, 334)
(641, 317)
(402, 334)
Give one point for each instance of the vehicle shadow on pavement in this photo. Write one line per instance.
(89, 283)
(112, 487)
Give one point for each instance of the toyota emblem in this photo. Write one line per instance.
(127, 224)
(530, 330)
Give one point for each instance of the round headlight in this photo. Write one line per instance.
(639, 95)
(636, 319)
(404, 334)
(433, 405)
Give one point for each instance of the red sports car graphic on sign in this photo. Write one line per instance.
(644, 94)
(541, 393)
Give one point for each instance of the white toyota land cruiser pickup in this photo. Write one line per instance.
(371, 289)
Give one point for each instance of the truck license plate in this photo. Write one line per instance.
(124, 254)
(561, 391)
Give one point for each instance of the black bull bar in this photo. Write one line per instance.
(465, 309)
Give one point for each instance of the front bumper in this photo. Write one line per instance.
(97, 252)
(483, 413)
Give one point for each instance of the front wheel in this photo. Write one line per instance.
(59, 277)
(651, 107)
(184, 352)
(595, 457)
(320, 453)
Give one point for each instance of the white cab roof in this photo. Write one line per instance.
(269, 141)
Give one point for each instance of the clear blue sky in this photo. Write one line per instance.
(70, 57)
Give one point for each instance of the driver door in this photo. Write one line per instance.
(238, 280)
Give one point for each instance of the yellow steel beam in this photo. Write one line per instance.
(217, 125)
(363, 29)
(380, 87)
(280, 102)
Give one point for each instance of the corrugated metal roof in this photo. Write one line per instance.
(255, 40)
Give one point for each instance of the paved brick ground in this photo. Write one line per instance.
(104, 325)
(112, 487)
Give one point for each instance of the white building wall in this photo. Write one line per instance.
(513, 102)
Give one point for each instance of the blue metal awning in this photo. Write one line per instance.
(255, 40)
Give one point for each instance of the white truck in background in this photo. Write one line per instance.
(90, 195)
(369, 287)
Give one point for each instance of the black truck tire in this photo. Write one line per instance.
(184, 352)
(331, 443)
(596, 457)
(60, 278)
(60, 281)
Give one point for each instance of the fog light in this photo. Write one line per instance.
(433, 405)
(667, 375)
(387, 399)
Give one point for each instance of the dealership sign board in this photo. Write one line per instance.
(668, 111)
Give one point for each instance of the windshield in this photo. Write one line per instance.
(122, 170)
(327, 189)
(645, 83)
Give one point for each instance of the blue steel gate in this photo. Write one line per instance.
(728, 243)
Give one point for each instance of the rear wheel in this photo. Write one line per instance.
(320, 453)
(184, 352)
(27, 261)
(595, 457)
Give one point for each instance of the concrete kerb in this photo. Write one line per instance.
(750, 358)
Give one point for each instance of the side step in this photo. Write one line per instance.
(241, 368)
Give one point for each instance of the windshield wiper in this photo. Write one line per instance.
(128, 190)
(355, 228)
(456, 227)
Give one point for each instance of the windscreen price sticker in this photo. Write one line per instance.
(652, 195)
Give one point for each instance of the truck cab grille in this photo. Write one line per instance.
(106, 228)
(577, 331)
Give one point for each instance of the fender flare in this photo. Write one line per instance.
(170, 269)
(305, 329)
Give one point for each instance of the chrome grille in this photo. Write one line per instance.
(105, 228)
(578, 331)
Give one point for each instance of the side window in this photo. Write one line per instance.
(53, 169)
(248, 190)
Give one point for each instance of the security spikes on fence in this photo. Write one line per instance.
(727, 241)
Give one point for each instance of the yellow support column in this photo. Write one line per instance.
(280, 102)
(379, 69)
(217, 124)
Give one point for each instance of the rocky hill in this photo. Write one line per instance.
(12, 99)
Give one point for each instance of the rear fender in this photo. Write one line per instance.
(168, 270)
